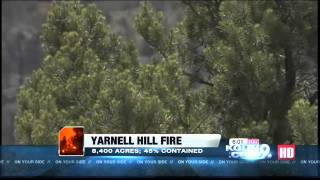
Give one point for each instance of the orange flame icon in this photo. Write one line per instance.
(71, 141)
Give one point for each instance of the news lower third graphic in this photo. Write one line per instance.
(73, 142)
(135, 155)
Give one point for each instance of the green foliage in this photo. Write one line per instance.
(228, 67)
(149, 24)
(248, 51)
(91, 77)
(303, 119)
(81, 55)
(151, 27)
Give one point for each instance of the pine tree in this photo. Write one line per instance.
(82, 59)
(230, 67)
(247, 55)
(91, 77)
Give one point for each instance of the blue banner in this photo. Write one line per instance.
(44, 161)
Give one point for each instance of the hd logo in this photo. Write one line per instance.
(249, 149)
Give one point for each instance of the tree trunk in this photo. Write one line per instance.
(280, 128)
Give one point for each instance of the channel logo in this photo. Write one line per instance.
(249, 149)
(286, 152)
